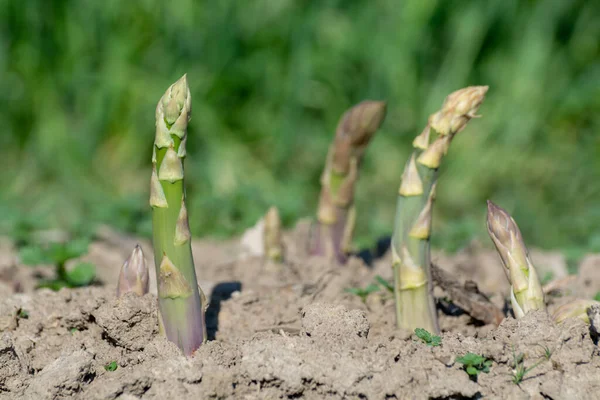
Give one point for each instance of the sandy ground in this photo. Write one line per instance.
(283, 331)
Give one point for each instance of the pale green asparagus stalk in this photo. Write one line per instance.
(336, 214)
(526, 292)
(273, 244)
(181, 312)
(415, 306)
(134, 275)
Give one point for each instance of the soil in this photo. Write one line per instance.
(283, 331)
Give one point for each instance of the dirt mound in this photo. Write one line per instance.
(284, 332)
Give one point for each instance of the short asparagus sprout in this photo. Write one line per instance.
(526, 292)
(272, 236)
(415, 306)
(574, 309)
(181, 310)
(134, 275)
(336, 213)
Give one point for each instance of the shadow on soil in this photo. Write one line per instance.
(221, 292)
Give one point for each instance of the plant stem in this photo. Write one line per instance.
(415, 306)
(336, 213)
(181, 312)
(526, 292)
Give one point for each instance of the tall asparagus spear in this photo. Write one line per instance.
(415, 307)
(181, 312)
(525, 289)
(336, 214)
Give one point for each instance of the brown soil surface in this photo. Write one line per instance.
(282, 331)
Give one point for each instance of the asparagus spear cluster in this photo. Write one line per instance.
(336, 214)
(415, 307)
(181, 311)
(525, 289)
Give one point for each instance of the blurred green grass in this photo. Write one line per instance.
(269, 79)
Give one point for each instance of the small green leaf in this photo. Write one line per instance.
(53, 284)
(472, 371)
(363, 293)
(474, 364)
(597, 296)
(112, 366)
(33, 255)
(355, 291)
(23, 314)
(423, 335)
(82, 275)
(428, 338)
(372, 288)
(76, 248)
(385, 283)
(57, 253)
(436, 341)
(471, 359)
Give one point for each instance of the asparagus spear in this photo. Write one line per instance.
(181, 312)
(272, 242)
(336, 214)
(575, 309)
(134, 275)
(525, 291)
(415, 307)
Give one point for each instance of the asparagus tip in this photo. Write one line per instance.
(134, 275)
(458, 108)
(575, 309)
(526, 291)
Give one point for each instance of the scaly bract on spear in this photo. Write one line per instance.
(415, 307)
(181, 310)
(332, 236)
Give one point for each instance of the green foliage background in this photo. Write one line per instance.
(79, 81)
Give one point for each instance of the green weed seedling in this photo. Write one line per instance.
(547, 351)
(474, 364)
(58, 254)
(384, 283)
(520, 371)
(363, 293)
(22, 314)
(111, 366)
(428, 338)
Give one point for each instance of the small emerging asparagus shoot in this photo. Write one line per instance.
(272, 236)
(134, 275)
(181, 310)
(574, 309)
(525, 288)
(336, 214)
(415, 306)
